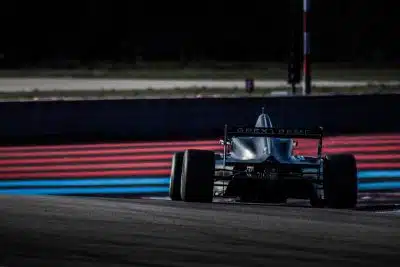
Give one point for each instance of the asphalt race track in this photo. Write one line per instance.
(45, 84)
(73, 231)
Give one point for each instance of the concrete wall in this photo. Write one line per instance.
(161, 119)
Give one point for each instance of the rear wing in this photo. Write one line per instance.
(275, 132)
(236, 131)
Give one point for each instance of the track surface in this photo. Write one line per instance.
(68, 231)
(43, 84)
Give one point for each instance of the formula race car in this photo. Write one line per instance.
(258, 165)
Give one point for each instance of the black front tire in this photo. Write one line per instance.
(340, 181)
(197, 182)
(175, 179)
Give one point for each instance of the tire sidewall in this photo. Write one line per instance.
(175, 177)
(340, 181)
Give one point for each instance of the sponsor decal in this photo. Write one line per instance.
(275, 131)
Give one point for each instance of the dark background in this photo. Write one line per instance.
(52, 33)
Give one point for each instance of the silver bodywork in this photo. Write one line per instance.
(255, 150)
(262, 157)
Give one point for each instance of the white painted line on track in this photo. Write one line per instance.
(293, 203)
(393, 212)
(156, 198)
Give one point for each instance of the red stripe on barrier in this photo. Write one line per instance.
(341, 141)
(133, 165)
(359, 142)
(328, 141)
(299, 150)
(105, 151)
(357, 137)
(377, 156)
(135, 158)
(78, 160)
(118, 166)
(378, 165)
(338, 139)
(90, 158)
(150, 172)
(350, 149)
(371, 136)
(116, 145)
(85, 174)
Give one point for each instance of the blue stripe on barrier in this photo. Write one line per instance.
(149, 180)
(89, 182)
(145, 182)
(93, 190)
(379, 186)
(379, 174)
(145, 190)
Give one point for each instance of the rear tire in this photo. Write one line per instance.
(197, 182)
(176, 173)
(340, 181)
